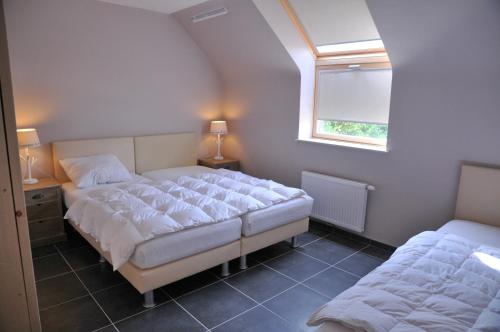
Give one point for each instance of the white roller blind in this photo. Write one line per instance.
(354, 95)
(335, 21)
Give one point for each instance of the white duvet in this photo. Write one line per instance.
(125, 215)
(435, 282)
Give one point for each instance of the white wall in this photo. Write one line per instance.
(87, 69)
(445, 106)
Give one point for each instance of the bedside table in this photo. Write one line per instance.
(231, 164)
(44, 211)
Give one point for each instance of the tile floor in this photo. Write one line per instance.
(278, 292)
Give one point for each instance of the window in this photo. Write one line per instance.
(353, 71)
(352, 102)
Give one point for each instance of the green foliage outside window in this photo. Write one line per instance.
(358, 129)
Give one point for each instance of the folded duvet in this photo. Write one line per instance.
(125, 215)
(435, 282)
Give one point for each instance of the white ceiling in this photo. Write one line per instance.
(335, 21)
(163, 6)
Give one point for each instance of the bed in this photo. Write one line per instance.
(260, 228)
(173, 256)
(455, 271)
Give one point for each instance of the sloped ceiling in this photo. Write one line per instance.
(163, 6)
(239, 44)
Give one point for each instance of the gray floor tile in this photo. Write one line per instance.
(74, 241)
(167, 317)
(327, 251)
(59, 289)
(99, 276)
(49, 266)
(378, 252)
(82, 257)
(332, 282)
(296, 305)
(215, 304)
(360, 264)
(75, 316)
(353, 241)
(234, 267)
(260, 283)
(123, 301)
(108, 328)
(296, 265)
(190, 284)
(43, 251)
(258, 319)
(271, 251)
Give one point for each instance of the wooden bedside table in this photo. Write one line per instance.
(231, 164)
(45, 213)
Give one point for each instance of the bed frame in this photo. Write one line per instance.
(145, 153)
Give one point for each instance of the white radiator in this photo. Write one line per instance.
(337, 201)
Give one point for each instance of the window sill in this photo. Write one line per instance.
(352, 145)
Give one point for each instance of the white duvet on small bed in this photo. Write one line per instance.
(435, 282)
(122, 216)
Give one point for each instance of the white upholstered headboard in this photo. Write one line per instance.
(122, 147)
(478, 196)
(164, 151)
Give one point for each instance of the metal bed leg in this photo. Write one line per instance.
(295, 241)
(224, 269)
(243, 262)
(102, 259)
(149, 299)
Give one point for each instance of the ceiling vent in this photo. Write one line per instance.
(209, 14)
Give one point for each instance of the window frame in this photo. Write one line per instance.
(365, 58)
(339, 137)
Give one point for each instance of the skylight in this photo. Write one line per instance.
(352, 47)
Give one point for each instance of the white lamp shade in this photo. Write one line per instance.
(28, 138)
(218, 127)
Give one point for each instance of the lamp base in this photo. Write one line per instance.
(30, 181)
(219, 158)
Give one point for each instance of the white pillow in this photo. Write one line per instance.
(94, 170)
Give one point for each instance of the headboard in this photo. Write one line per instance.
(123, 148)
(479, 195)
(164, 151)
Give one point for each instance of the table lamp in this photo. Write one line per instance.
(28, 138)
(219, 128)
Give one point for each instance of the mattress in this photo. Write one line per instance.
(172, 246)
(277, 215)
(253, 222)
(473, 231)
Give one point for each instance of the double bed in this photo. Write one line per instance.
(175, 255)
(444, 280)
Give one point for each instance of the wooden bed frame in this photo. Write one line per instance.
(145, 153)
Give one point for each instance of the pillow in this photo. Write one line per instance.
(94, 170)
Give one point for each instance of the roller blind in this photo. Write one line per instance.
(335, 21)
(354, 95)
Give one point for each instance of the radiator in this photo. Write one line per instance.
(337, 201)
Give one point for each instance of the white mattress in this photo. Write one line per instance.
(277, 215)
(172, 246)
(254, 222)
(473, 231)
